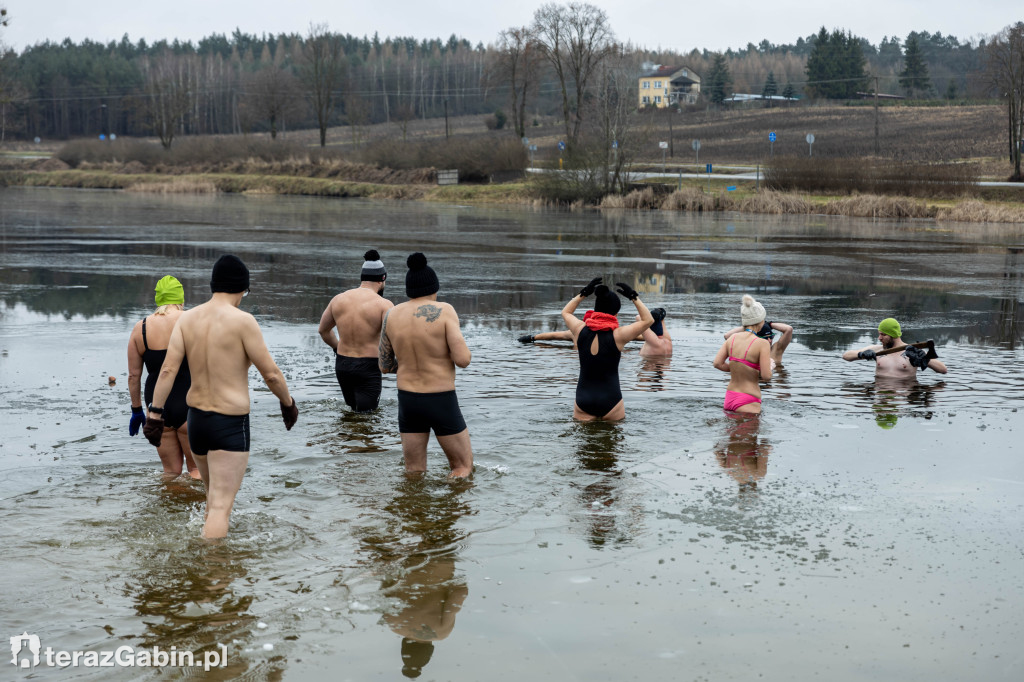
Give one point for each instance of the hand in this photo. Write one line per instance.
(589, 289)
(153, 431)
(290, 414)
(626, 291)
(866, 355)
(918, 357)
(137, 420)
(658, 314)
(525, 338)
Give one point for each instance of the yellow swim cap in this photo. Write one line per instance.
(169, 291)
(890, 327)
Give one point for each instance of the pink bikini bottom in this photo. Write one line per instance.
(735, 400)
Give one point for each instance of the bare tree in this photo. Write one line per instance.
(166, 79)
(575, 39)
(323, 70)
(517, 64)
(1005, 68)
(273, 95)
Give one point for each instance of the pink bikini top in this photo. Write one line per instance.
(744, 360)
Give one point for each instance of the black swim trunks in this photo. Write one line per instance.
(421, 412)
(215, 431)
(360, 382)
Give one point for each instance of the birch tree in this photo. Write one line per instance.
(1005, 69)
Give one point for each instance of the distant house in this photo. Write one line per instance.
(661, 86)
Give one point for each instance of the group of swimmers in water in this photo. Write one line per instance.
(197, 393)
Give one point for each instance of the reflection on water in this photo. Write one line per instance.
(742, 452)
(652, 373)
(889, 396)
(611, 516)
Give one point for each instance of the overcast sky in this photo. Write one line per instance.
(671, 25)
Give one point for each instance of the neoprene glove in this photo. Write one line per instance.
(137, 420)
(866, 355)
(626, 291)
(290, 414)
(589, 289)
(153, 431)
(917, 357)
(658, 314)
(526, 338)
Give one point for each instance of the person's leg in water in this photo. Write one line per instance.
(780, 346)
(414, 450)
(170, 452)
(190, 462)
(459, 452)
(224, 472)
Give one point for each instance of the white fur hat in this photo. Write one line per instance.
(751, 312)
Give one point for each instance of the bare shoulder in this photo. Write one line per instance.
(433, 311)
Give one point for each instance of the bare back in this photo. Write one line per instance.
(357, 314)
(220, 342)
(427, 344)
(743, 378)
(158, 331)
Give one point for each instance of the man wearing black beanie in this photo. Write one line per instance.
(358, 313)
(220, 342)
(421, 341)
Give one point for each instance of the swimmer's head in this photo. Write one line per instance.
(421, 280)
(229, 275)
(751, 312)
(373, 268)
(607, 301)
(169, 292)
(658, 314)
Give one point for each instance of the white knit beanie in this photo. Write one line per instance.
(751, 312)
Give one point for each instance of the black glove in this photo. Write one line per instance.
(138, 419)
(866, 355)
(658, 314)
(290, 414)
(589, 289)
(526, 338)
(153, 431)
(918, 357)
(626, 291)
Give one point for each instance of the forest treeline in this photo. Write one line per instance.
(248, 83)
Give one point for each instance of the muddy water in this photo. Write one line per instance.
(859, 531)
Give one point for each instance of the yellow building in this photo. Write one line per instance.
(666, 85)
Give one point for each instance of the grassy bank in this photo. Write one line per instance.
(693, 196)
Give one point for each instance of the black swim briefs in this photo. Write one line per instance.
(215, 431)
(360, 382)
(421, 412)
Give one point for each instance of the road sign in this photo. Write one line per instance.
(561, 145)
(615, 144)
(771, 136)
(730, 188)
(696, 145)
(663, 145)
(526, 142)
(533, 147)
(709, 168)
(810, 138)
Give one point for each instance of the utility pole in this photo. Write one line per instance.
(671, 148)
(876, 115)
(446, 118)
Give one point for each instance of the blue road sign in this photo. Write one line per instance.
(730, 188)
(561, 145)
(771, 136)
(615, 144)
(709, 168)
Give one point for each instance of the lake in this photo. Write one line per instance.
(858, 530)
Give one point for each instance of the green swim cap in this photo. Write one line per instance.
(169, 291)
(890, 327)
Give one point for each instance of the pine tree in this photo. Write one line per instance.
(951, 90)
(719, 80)
(771, 88)
(835, 67)
(914, 75)
(789, 92)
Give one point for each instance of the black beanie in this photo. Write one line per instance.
(373, 269)
(229, 275)
(607, 301)
(421, 280)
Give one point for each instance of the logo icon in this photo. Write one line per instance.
(18, 643)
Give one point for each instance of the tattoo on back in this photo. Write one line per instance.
(431, 312)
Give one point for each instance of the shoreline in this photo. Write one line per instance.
(690, 197)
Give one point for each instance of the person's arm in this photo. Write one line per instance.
(386, 360)
(573, 323)
(721, 358)
(326, 329)
(766, 359)
(782, 328)
(457, 348)
(135, 367)
(624, 335)
(734, 330)
(259, 356)
(168, 371)
(937, 365)
(657, 344)
(856, 354)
